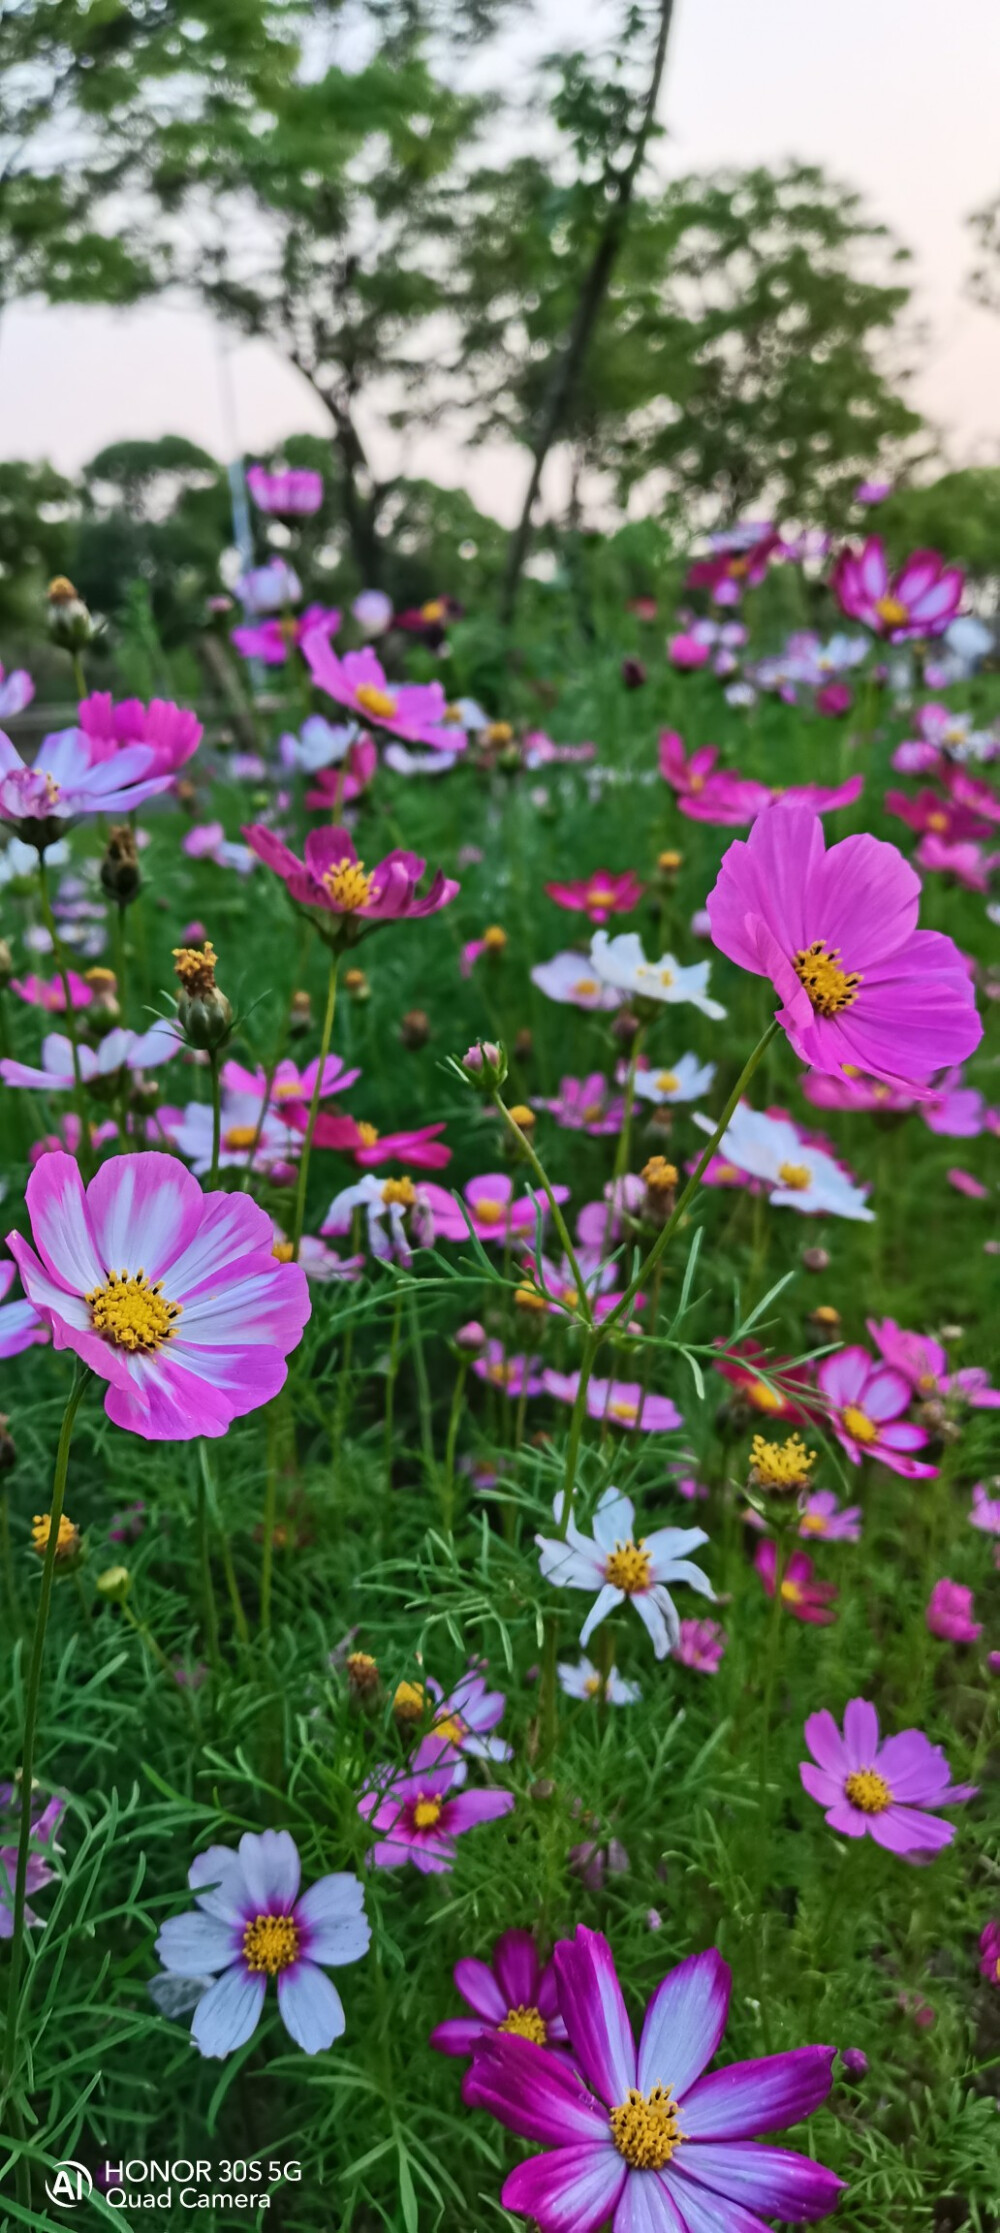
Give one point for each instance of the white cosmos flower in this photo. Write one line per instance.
(802, 1176)
(685, 1080)
(617, 1566)
(319, 744)
(621, 962)
(586, 1681)
(570, 977)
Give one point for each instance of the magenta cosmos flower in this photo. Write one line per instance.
(347, 899)
(274, 640)
(66, 780)
(251, 1923)
(601, 895)
(883, 1791)
(920, 600)
(924, 1363)
(949, 1613)
(836, 932)
(512, 1993)
(171, 732)
(419, 1816)
(493, 1211)
(172, 1296)
(701, 1644)
(293, 493)
(618, 1403)
(989, 1948)
(866, 1401)
(50, 993)
(801, 1594)
(642, 2139)
(708, 793)
(415, 711)
(586, 1105)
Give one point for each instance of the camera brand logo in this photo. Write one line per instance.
(69, 2184)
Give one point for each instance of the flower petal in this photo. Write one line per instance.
(573, 2190)
(310, 2007)
(684, 2023)
(762, 2096)
(229, 2012)
(534, 2092)
(590, 1999)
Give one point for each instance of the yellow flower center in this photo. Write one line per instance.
(620, 1408)
(525, 2023)
(348, 886)
(814, 1523)
(791, 1593)
(764, 1398)
(666, 1081)
(374, 700)
(830, 988)
(131, 1313)
(725, 1171)
(669, 861)
(629, 1567)
(401, 1191)
(239, 1136)
(195, 966)
(859, 1426)
(696, 783)
(795, 1175)
(593, 1686)
(368, 1134)
(425, 1813)
(892, 611)
(586, 987)
(271, 1943)
(289, 1090)
(866, 1789)
(570, 1297)
(283, 1252)
(490, 1212)
(451, 1729)
(500, 1372)
(592, 1112)
(600, 895)
(409, 1701)
(659, 1175)
(67, 1538)
(433, 610)
(528, 1298)
(644, 2128)
(781, 1465)
(937, 821)
(51, 789)
(494, 938)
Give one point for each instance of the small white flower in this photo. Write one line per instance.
(586, 1681)
(319, 744)
(685, 1080)
(385, 1203)
(621, 962)
(802, 1176)
(569, 978)
(617, 1566)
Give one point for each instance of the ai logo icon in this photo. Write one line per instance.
(69, 2184)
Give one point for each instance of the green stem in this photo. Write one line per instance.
(239, 1616)
(300, 1198)
(585, 1308)
(213, 1060)
(390, 1383)
(423, 1388)
(79, 1091)
(79, 678)
(270, 1519)
(205, 1562)
(454, 1417)
(31, 1704)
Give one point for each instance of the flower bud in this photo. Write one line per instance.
(660, 1178)
(624, 1027)
(824, 1322)
(356, 984)
(203, 1012)
(67, 1541)
(854, 2061)
(524, 1119)
(6, 965)
(415, 1028)
(485, 1064)
(409, 1704)
(494, 940)
(8, 1453)
(300, 1017)
(816, 1259)
(70, 623)
(633, 674)
(668, 864)
(114, 1584)
(471, 1336)
(104, 1011)
(362, 1677)
(524, 1045)
(121, 877)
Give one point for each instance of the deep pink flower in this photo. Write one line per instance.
(273, 641)
(601, 895)
(989, 1948)
(424, 1148)
(834, 699)
(826, 1090)
(50, 994)
(866, 1401)
(924, 1364)
(493, 1212)
(687, 652)
(708, 793)
(171, 732)
(642, 2140)
(517, 1376)
(985, 1511)
(618, 1403)
(418, 1817)
(295, 492)
(965, 1182)
(335, 787)
(732, 570)
(825, 1519)
(700, 1645)
(172, 1296)
(788, 1392)
(801, 1594)
(16, 691)
(586, 1105)
(920, 600)
(882, 1791)
(966, 862)
(415, 711)
(949, 1613)
(836, 933)
(348, 899)
(934, 815)
(512, 1993)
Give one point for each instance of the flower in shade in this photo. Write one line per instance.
(989, 1949)
(273, 641)
(836, 933)
(172, 1296)
(585, 1681)
(700, 1644)
(337, 786)
(250, 1922)
(618, 1403)
(825, 1518)
(866, 1401)
(171, 732)
(66, 781)
(617, 1566)
(985, 1512)
(642, 2140)
(573, 981)
(294, 492)
(119, 1050)
(800, 1176)
(949, 1613)
(513, 1994)
(786, 1393)
(684, 1080)
(415, 711)
(516, 1376)
(586, 1105)
(801, 1594)
(919, 600)
(621, 963)
(600, 895)
(265, 589)
(20, 1325)
(345, 899)
(418, 1816)
(888, 1791)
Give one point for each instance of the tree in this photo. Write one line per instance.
(158, 513)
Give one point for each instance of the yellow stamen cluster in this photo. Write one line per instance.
(376, 701)
(451, 1729)
(659, 1176)
(666, 1081)
(830, 988)
(586, 987)
(645, 2129)
(494, 938)
(866, 1789)
(67, 1539)
(283, 1252)
(669, 862)
(764, 1398)
(362, 1673)
(399, 1192)
(195, 966)
(525, 2023)
(271, 1943)
(622, 1409)
(796, 1176)
(409, 1702)
(426, 1813)
(892, 611)
(859, 1426)
(781, 1465)
(133, 1313)
(238, 1137)
(529, 1299)
(368, 1134)
(489, 1212)
(629, 1567)
(347, 884)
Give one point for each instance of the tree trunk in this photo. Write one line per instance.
(569, 364)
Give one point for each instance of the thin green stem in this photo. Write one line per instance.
(300, 1197)
(392, 1371)
(79, 1090)
(205, 1560)
(270, 1519)
(213, 1063)
(451, 1442)
(585, 1307)
(31, 1705)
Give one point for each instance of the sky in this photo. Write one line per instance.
(898, 101)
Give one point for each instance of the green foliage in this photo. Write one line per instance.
(957, 514)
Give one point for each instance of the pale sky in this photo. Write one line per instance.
(898, 100)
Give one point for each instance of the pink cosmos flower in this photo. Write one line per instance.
(267, 588)
(834, 699)
(964, 1182)
(16, 691)
(932, 815)
(836, 934)
(989, 1948)
(517, 1376)
(720, 795)
(958, 1111)
(949, 1613)
(273, 641)
(65, 781)
(925, 1365)
(618, 1403)
(920, 600)
(787, 1393)
(50, 993)
(493, 1212)
(985, 1511)
(423, 1148)
(170, 1295)
(966, 862)
(464, 1721)
(601, 895)
(872, 492)
(415, 711)
(586, 1105)
(294, 492)
(866, 1401)
(68, 1137)
(347, 899)
(801, 1594)
(871, 1095)
(512, 1993)
(687, 652)
(418, 1817)
(883, 1791)
(171, 732)
(119, 1050)
(641, 2140)
(823, 1516)
(539, 751)
(337, 786)
(740, 562)
(700, 1645)
(208, 842)
(20, 1325)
